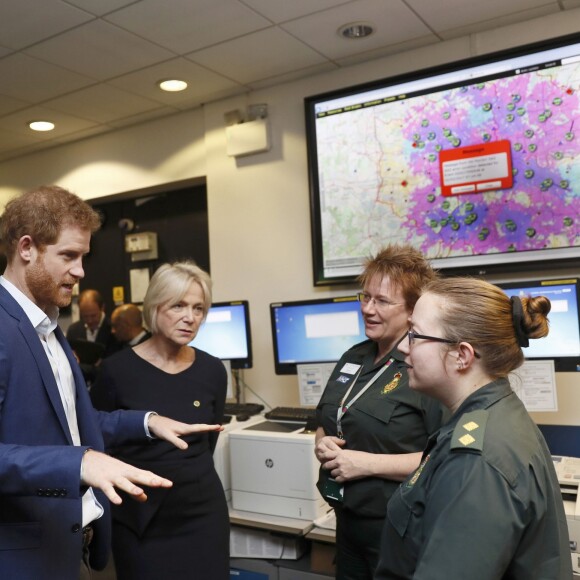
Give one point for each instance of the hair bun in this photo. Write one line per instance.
(518, 322)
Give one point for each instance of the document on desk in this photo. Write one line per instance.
(312, 379)
(247, 543)
(535, 384)
(327, 521)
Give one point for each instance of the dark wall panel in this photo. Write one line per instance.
(178, 217)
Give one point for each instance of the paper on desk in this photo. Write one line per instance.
(312, 379)
(327, 521)
(535, 384)
(248, 543)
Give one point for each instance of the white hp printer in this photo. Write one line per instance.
(221, 454)
(274, 470)
(568, 471)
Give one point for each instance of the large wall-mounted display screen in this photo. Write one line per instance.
(476, 164)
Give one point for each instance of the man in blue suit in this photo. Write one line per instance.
(55, 480)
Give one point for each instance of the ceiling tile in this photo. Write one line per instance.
(245, 59)
(504, 20)
(143, 117)
(99, 50)
(29, 79)
(97, 62)
(16, 124)
(187, 25)
(281, 11)
(522, 33)
(102, 104)
(392, 26)
(100, 7)
(449, 14)
(400, 47)
(25, 22)
(325, 67)
(202, 82)
(9, 105)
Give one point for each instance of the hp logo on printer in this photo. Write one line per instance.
(269, 463)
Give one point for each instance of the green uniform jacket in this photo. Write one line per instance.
(485, 504)
(388, 418)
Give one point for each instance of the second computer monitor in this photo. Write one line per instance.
(226, 333)
(314, 331)
(563, 341)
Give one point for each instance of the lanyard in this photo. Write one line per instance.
(344, 407)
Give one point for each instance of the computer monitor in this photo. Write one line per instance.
(314, 331)
(563, 341)
(226, 334)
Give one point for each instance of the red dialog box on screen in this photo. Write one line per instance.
(476, 169)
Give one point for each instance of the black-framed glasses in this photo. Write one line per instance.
(412, 335)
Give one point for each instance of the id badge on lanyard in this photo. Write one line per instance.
(344, 406)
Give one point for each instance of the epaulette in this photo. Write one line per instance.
(470, 431)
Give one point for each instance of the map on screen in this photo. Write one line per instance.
(506, 140)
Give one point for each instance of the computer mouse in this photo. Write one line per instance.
(242, 417)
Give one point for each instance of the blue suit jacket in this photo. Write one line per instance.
(40, 489)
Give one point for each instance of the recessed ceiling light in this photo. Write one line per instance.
(41, 125)
(172, 85)
(356, 30)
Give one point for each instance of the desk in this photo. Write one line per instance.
(270, 523)
(313, 566)
(322, 535)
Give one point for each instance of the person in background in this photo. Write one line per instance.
(93, 324)
(127, 325)
(55, 480)
(485, 502)
(183, 533)
(372, 427)
(93, 327)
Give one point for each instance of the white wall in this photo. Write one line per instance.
(259, 220)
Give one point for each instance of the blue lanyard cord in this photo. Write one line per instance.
(344, 407)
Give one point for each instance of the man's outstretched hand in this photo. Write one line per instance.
(107, 473)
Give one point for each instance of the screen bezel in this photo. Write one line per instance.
(286, 368)
(483, 264)
(563, 363)
(246, 362)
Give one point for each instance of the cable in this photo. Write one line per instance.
(240, 381)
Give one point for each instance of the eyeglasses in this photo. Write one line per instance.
(412, 335)
(379, 303)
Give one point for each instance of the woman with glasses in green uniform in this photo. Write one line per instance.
(485, 502)
(371, 426)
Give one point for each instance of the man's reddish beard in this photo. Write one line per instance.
(44, 289)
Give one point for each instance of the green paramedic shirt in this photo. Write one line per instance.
(485, 503)
(388, 418)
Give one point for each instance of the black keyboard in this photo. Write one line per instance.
(297, 414)
(243, 409)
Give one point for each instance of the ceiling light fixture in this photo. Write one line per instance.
(172, 85)
(355, 30)
(41, 125)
